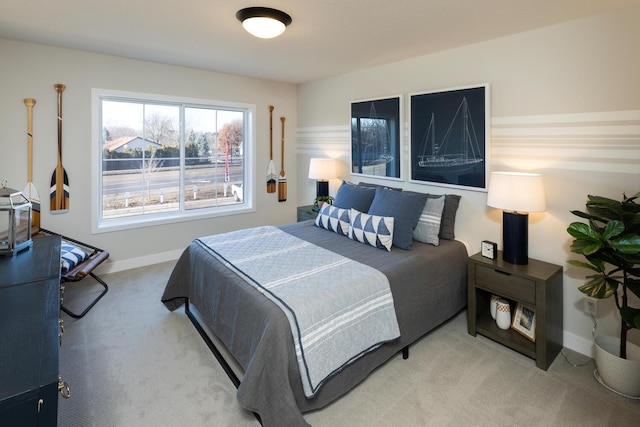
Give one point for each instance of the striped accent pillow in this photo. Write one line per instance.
(333, 219)
(428, 226)
(71, 255)
(373, 230)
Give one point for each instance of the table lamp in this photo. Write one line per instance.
(322, 170)
(517, 193)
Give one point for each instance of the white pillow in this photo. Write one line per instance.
(373, 230)
(428, 226)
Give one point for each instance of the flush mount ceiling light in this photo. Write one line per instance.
(263, 22)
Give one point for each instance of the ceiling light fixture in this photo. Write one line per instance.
(263, 22)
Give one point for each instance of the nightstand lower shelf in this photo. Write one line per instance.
(486, 326)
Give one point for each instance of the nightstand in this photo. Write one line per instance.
(306, 212)
(537, 284)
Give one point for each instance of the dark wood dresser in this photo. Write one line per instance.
(30, 335)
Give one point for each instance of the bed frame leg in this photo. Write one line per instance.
(227, 369)
(405, 353)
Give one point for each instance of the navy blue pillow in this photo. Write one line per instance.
(405, 207)
(354, 196)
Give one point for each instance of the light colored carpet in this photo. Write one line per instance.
(131, 362)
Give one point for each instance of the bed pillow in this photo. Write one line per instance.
(333, 219)
(71, 255)
(373, 230)
(428, 227)
(354, 196)
(405, 207)
(371, 185)
(448, 223)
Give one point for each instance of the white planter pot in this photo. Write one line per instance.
(621, 375)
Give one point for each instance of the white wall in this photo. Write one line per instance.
(565, 103)
(30, 71)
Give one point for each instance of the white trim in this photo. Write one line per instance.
(111, 266)
(577, 343)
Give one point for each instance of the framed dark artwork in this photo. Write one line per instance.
(449, 137)
(376, 127)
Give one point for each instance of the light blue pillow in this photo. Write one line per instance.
(333, 219)
(405, 207)
(428, 226)
(373, 230)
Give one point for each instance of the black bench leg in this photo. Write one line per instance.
(90, 306)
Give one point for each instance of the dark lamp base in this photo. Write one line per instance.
(515, 235)
(322, 188)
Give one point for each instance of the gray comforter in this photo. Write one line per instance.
(428, 285)
(338, 309)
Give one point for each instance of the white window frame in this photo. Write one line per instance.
(99, 225)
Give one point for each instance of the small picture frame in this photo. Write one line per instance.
(524, 321)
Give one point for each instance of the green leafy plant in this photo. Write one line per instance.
(324, 199)
(610, 242)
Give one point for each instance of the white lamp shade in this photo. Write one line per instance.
(516, 191)
(263, 27)
(322, 169)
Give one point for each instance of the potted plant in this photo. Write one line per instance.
(610, 243)
(321, 200)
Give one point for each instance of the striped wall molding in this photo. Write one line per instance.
(323, 141)
(594, 141)
(597, 142)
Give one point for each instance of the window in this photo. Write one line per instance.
(161, 159)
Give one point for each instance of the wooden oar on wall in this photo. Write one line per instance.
(59, 192)
(282, 179)
(30, 191)
(271, 170)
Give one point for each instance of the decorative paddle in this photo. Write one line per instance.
(271, 170)
(30, 191)
(282, 179)
(59, 192)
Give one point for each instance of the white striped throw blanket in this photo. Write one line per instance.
(338, 309)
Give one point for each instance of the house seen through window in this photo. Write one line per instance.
(163, 160)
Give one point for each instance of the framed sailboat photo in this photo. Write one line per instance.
(376, 127)
(450, 137)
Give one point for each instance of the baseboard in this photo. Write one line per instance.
(120, 265)
(579, 344)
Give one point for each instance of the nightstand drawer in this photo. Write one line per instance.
(506, 285)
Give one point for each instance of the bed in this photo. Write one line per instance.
(428, 284)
